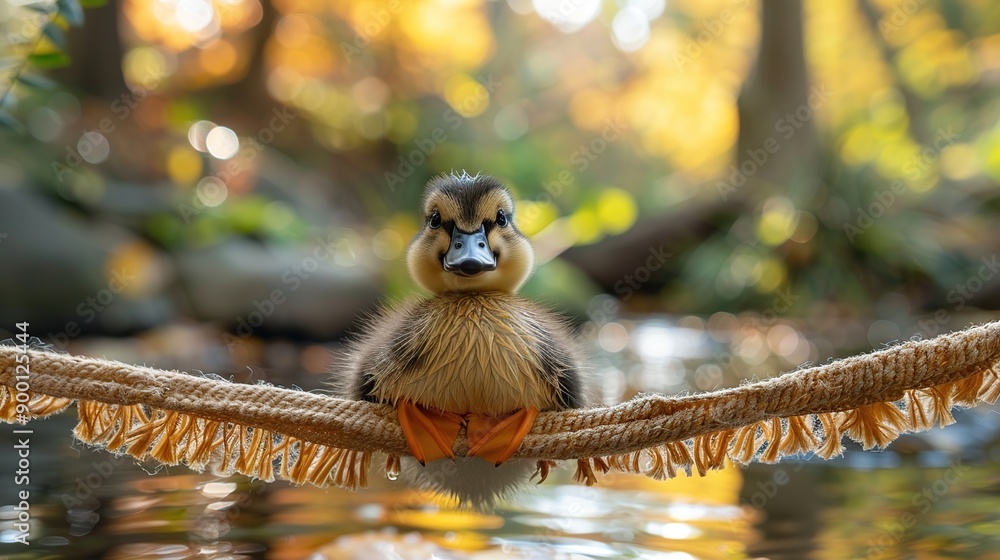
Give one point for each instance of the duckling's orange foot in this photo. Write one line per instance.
(429, 432)
(497, 438)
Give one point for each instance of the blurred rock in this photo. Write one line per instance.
(66, 282)
(254, 289)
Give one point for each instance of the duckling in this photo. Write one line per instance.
(474, 355)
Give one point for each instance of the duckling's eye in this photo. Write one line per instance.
(501, 218)
(435, 220)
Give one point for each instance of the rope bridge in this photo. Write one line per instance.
(270, 432)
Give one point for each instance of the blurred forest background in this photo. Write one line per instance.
(716, 190)
(256, 164)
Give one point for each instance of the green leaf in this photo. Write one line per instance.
(8, 121)
(8, 62)
(36, 81)
(49, 60)
(55, 34)
(71, 11)
(93, 3)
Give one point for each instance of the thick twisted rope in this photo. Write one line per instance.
(651, 420)
(871, 398)
(358, 425)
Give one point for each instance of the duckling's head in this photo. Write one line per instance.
(469, 242)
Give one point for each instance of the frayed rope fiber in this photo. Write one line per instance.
(270, 432)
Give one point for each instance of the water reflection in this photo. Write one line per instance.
(177, 514)
(933, 495)
(626, 517)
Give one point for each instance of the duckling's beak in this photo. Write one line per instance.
(469, 253)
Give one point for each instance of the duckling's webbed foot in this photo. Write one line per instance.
(429, 432)
(494, 438)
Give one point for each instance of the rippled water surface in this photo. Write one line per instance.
(791, 510)
(935, 495)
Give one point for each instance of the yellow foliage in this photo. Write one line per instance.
(617, 210)
(183, 165)
(466, 96)
(532, 217)
(585, 226)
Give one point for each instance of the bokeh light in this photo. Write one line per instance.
(567, 16)
(630, 29)
(211, 191)
(45, 124)
(511, 122)
(93, 147)
(652, 9)
(198, 133)
(222, 142)
(183, 165)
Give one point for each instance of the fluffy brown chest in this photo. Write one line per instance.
(469, 353)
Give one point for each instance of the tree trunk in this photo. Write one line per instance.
(774, 105)
(96, 51)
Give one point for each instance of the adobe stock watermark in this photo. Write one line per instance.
(22, 506)
(376, 23)
(767, 490)
(215, 523)
(85, 487)
(581, 158)
(212, 190)
(31, 23)
(609, 306)
(22, 437)
(922, 502)
(960, 296)
(562, 15)
(291, 280)
(711, 30)
(786, 128)
(91, 307)
(782, 303)
(627, 286)
(901, 13)
(409, 162)
(915, 169)
(710, 376)
(92, 146)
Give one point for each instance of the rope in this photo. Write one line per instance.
(177, 417)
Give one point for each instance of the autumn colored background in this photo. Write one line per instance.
(843, 154)
(716, 190)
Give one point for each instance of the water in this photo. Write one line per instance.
(87, 504)
(930, 496)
